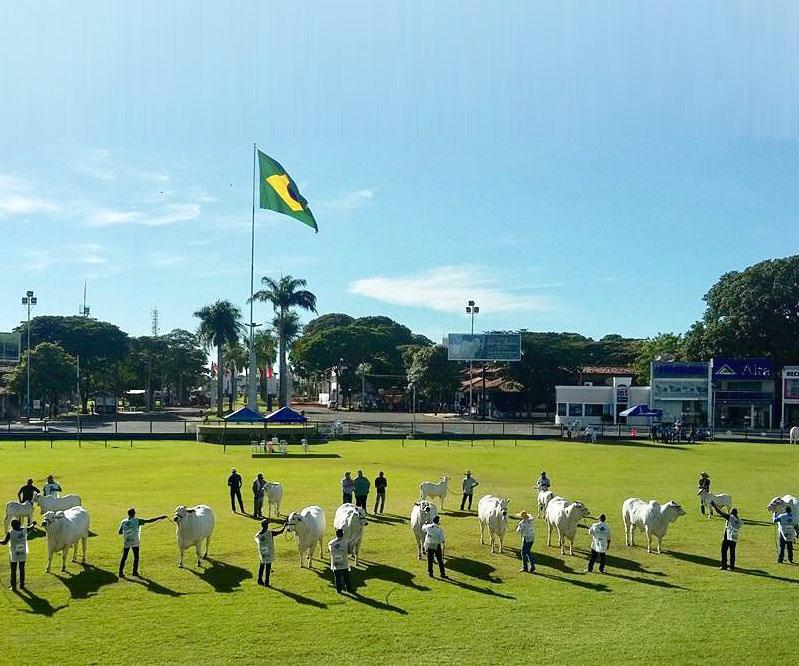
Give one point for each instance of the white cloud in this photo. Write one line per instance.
(92, 254)
(350, 201)
(107, 217)
(164, 258)
(447, 288)
(17, 198)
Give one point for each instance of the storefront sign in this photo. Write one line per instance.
(622, 395)
(743, 368)
(790, 383)
(675, 389)
(679, 369)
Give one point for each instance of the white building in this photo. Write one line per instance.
(596, 405)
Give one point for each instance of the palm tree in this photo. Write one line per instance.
(220, 323)
(285, 294)
(235, 357)
(265, 355)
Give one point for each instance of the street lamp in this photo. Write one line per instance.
(471, 310)
(28, 300)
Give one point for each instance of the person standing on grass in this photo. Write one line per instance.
(704, 484)
(526, 530)
(340, 562)
(434, 545)
(730, 539)
(258, 490)
(786, 531)
(17, 540)
(543, 482)
(468, 485)
(26, 493)
(361, 487)
(347, 487)
(234, 482)
(381, 483)
(52, 488)
(130, 529)
(600, 542)
(265, 538)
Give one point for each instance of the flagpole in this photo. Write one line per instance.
(252, 386)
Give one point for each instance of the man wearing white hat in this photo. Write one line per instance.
(526, 530)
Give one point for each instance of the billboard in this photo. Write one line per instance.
(743, 368)
(790, 387)
(9, 348)
(484, 347)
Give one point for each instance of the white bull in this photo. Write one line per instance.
(651, 517)
(492, 514)
(308, 525)
(18, 510)
(429, 490)
(564, 517)
(274, 496)
(708, 499)
(422, 513)
(64, 530)
(793, 435)
(351, 519)
(779, 504)
(544, 497)
(195, 525)
(52, 503)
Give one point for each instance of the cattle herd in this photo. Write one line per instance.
(66, 521)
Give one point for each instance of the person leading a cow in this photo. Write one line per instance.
(468, 484)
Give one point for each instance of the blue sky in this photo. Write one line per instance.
(580, 166)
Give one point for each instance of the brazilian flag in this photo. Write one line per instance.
(279, 192)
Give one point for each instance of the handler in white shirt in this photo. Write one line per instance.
(339, 562)
(600, 542)
(434, 544)
(732, 529)
(52, 488)
(526, 530)
(17, 540)
(265, 539)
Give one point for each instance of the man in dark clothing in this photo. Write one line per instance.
(234, 482)
(380, 489)
(360, 487)
(704, 484)
(258, 490)
(27, 492)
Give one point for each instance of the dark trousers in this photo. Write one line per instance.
(593, 558)
(783, 545)
(14, 566)
(258, 506)
(235, 494)
(342, 578)
(124, 559)
(380, 500)
(438, 555)
(463, 501)
(360, 500)
(527, 555)
(727, 546)
(264, 571)
(702, 507)
(346, 498)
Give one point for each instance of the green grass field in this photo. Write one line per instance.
(671, 608)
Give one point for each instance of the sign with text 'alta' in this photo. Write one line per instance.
(743, 368)
(484, 347)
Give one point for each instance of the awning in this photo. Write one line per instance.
(244, 415)
(641, 410)
(285, 415)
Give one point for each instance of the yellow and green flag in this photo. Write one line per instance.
(279, 192)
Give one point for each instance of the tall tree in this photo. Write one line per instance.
(285, 294)
(52, 374)
(663, 344)
(220, 323)
(433, 374)
(265, 355)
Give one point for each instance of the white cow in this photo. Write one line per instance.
(492, 514)
(309, 527)
(194, 525)
(52, 503)
(18, 510)
(563, 516)
(65, 529)
(706, 497)
(274, 495)
(422, 513)
(778, 504)
(351, 519)
(429, 490)
(544, 496)
(651, 517)
(793, 435)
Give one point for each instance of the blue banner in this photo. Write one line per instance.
(743, 368)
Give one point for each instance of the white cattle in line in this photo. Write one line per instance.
(195, 525)
(793, 435)
(65, 529)
(778, 504)
(18, 510)
(544, 497)
(351, 519)
(308, 525)
(429, 490)
(651, 517)
(274, 495)
(564, 516)
(52, 503)
(706, 497)
(422, 513)
(492, 514)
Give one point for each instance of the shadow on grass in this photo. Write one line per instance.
(291, 456)
(38, 605)
(386, 518)
(474, 568)
(88, 582)
(646, 581)
(156, 588)
(355, 580)
(553, 562)
(586, 585)
(36, 533)
(475, 588)
(221, 576)
(643, 444)
(714, 563)
(305, 601)
(459, 514)
(385, 573)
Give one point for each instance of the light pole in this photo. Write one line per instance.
(471, 310)
(27, 300)
(412, 386)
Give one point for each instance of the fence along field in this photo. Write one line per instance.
(647, 609)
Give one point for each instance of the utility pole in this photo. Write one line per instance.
(28, 300)
(471, 310)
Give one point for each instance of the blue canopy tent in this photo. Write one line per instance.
(285, 415)
(244, 415)
(642, 410)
